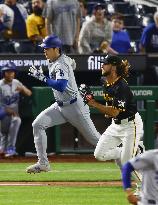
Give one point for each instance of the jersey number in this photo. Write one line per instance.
(61, 73)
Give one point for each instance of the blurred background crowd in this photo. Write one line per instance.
(85, 26)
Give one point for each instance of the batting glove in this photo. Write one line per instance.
(37, 73)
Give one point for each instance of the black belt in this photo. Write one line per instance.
(151, 201)
(60, 103)
(118, 121)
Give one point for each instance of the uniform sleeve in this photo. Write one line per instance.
(122, 97)
(142, 162)
(18, 83)
(62, 71)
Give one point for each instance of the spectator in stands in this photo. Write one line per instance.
(6, 21)
(20, 15)
(35, 24)
(10, 90)
(149, 38)
(83, 11)
(120, 38)
(63, 19)
(95, 31)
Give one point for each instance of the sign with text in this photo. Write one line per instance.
(84, 62)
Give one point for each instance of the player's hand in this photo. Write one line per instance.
(10, 111)
(131, 197)
(86, 93)
(90, 100)
(20, 89)
(37, 73)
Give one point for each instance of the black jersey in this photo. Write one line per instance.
(119, 95)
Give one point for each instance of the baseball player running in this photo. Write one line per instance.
(147, 164)
(69, 105)
(127, 125)
(10, 89)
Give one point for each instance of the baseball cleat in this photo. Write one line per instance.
(37, 168)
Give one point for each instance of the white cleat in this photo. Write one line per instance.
(37, 168)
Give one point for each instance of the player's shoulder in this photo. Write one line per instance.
(148, 155)
(122, 84)
(65, 60)
(16, 81)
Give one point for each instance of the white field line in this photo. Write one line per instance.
(68, 170)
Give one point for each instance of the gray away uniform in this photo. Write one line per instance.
(69, 107)
(9, 125)
(147, 164)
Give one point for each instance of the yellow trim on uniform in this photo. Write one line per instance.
(109, 84)
(134, 150)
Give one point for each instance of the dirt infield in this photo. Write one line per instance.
(90, 184)
(52, 158)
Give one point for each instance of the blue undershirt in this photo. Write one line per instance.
(59, 84)
(127, 169)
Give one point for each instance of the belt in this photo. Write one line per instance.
(61, 103)
(151, 201)
(117, 121)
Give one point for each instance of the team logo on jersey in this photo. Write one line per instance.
(121, 103)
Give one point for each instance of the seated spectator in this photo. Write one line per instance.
(149, 38)
(95, 31)
(120, 38)
(63, 18)
(35, 24)
(20, 15)
(9, 98)
(6, 21)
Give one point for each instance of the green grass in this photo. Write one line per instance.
(62, 196)
(61, 172)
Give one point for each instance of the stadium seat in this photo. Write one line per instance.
(131, 20)
(134, 32)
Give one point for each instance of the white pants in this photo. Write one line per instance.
(145, 202)
(127, 133)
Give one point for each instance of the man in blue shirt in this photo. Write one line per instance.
(149, 38)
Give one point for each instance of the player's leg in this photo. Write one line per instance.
(15, 123)
(5, 123)
(47, 118)
(107, 146)
(133, 134)
(78, 115)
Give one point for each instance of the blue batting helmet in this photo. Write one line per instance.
(51, 41)
(9, 66)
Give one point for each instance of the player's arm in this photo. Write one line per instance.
(60, 81)
(107, 110)
(59, 84)
(24, 90)
(127, 170)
